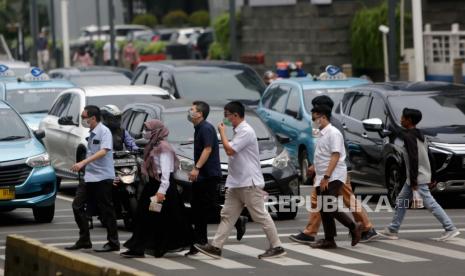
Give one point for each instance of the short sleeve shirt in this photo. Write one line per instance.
(329, 142)
(244, 166)
(102, 169)
(205, 136)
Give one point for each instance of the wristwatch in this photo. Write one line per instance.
(326, 176)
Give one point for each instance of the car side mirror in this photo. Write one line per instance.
(283, 139)
(374, 124)
(142, 142)
(66, 121)
(39, 134)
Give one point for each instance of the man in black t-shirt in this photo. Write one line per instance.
(206, 175)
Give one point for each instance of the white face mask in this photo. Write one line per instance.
(85, 123)
(316, 124)
(146, 134)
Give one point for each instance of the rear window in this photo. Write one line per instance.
(122, 100)
(335, 94)
(13, 128)
(32, 100)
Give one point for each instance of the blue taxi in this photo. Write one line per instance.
(33, 95)
(27, 180)
(286, 108)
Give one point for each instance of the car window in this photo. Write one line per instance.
(54, 110)
(293, 103)
(279, 99)
(137, 123)
(139, 75)
(74, 109)
(125, 118)
(122, 100)
(167, 82)
(13, 128)
(153, 78)
(359, 107)
(335, 94)
(32, 100)
(378, 109)
(266, 99)
(62, 105)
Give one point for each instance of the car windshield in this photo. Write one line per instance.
(438, 109)
(122, 100)
(32, 100)
(220, 85)
(97, 79)
(335, 94)
(13, 128)
(182, 131)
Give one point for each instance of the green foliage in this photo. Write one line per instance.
(176, 18)
(366, 40)
(98, 45)
(199, 18)
(147, 19)
(153, 48)
(219, 49)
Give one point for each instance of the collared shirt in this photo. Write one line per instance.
(104, 168)
(165, 166)
(244, 166)
(205, 136)
(329, 142)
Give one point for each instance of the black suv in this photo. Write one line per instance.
(370, 115)
(281, 177)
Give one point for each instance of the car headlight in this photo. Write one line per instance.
(41, 160)
(281, 161)
(185, 164)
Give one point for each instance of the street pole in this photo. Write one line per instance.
(232, 30)
(20, 42)
(402, 28)
(393, 61)
(112, 32)
(34, 31)
(385, 31)
(418, 40)
(53, 31)
(99, 25)
(64, 26)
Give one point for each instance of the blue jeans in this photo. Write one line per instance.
(402, 203)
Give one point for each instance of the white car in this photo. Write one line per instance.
(90, 33)
(66, 137)
(182, 36)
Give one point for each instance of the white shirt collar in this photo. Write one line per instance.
(325, 129)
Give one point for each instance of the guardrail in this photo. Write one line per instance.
(26, 256)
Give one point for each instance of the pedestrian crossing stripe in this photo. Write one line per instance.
(457, 241)
(352, 271)
(323, 254)
(222, 263)
(254, 252)
(435, 250)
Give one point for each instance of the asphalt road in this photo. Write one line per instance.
(414, 254)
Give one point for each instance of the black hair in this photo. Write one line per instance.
(323, 100)
(203, 108)
(413, 114)
(93, 110)
(235, 107)
(323, 110)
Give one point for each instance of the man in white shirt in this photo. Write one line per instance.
(244, 185)
(331, 174)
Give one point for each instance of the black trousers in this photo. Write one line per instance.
(327, 217)
(101, 194)
(204, 206)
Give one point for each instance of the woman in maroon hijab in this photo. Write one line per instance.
(168, 229)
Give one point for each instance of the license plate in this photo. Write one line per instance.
(7, 193)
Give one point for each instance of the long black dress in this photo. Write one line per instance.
(160, 232)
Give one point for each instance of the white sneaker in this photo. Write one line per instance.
(447, 235)
(387, 233)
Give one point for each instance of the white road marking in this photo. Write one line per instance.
(427, 248)
(381, 253)
(353, 271)
(102, 261)
(456, 241)
(323, 254)
(65, 198)
(164, 263)
(222, 263)
(254, 252)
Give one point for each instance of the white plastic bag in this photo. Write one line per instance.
(417, 200)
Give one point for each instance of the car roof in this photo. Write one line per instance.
(190, 64)
(110, 90)
(309, 83)
(52, 83)
(406, 88)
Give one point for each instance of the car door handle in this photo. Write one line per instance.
(344, 126)
(364, 135)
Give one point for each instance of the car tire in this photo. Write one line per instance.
(304, 163)
(44, 214)
(394, 183)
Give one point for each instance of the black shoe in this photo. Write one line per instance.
(369, 235)
(209, 250)
(132, 254)
(241, 227)
(302, 238)
(79, 245)
(108, 248)
(193, 251)
(356, 233)
(324, 244)
(273, 253)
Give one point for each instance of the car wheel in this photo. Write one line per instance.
(44, 214)
(304, 164)
(394, 183)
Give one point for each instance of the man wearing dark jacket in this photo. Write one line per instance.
(419, 176)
